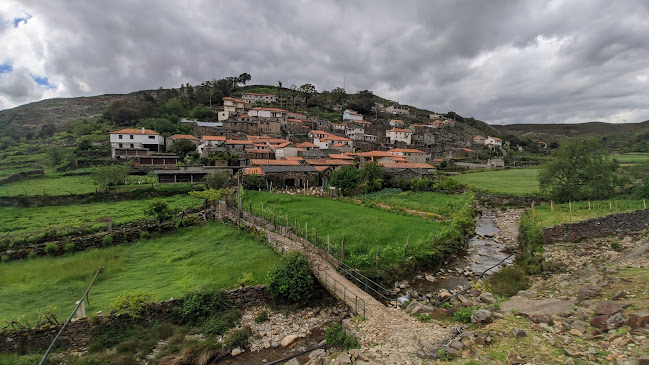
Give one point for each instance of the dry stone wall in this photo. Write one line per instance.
(598, 227)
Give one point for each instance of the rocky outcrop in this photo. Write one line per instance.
(598, 227)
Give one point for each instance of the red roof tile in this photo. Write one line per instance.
(135, 131)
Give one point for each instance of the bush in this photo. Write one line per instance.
(261, 317)
(108, 240)
(291, 279)
(336, 336)
(615, 245)
(238, 338)
(51, 248)
(133, 304)
(217, 180)
(421, 184)
(245, 279)
(4, 258)
(530, 235)
(144, 235)
(32, 254)
(218, 324)
(69, 247)
(509, 281)
(253, 182)
(160, 210)
(463, 315)
(197, 307)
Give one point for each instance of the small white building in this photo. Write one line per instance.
(397, 109)
(369, 138)
(349, 114)
(135, 142)
(396, 123)
(283, 150)
(493, 142)
(399, 135)
(251, 98)
(233, 105)
(331, 140)
(268, 112)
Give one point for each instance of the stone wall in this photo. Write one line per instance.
(598, 227)
(79, 333)
(21, 175)
(496, 200)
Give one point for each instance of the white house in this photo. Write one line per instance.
(267, 112)
(396, 123)
(493, 142)
(412, 155)
(349, 114)
(337, 127)
(210, 142)
(399, 135)
(397, 109)
(135, 142)
(283, 150)
(332, 141)
(251, 98)
(355, 133)
(233, 105)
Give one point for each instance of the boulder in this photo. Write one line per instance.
(608, 307)
(528, 307)
(518, 332)
(444, 294)
(615, 321)
(344, 358)
(587, 292)
(418, 309)
(292, 361)
(456, 345)
(288, 340)
(643, 360)
(236, 351)
(599, 322)
(638, 320)
(514, 359)
(481, 316)
(487, 298)
(541, 318)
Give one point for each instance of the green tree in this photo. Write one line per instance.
(202, 112)
(307, 90)
(579, 169)
(346, 178)
(338, 95)
(217, 180)
(173, 107)
(56, 155)
(160, 210)
(107, 176)
(363, 101)
(291, 279)
(212, 196)
(182, 147)
(244, 78)
(373, 175)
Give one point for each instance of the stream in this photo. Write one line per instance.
(483, 251)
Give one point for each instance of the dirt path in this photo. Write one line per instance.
(507, 222)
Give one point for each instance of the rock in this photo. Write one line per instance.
(481, 316)
(462, 299)
(514, 359)
(354, 353)
(619, 296)
(456, 345)
(430, 278)
(643, 360)
(599, 322)
(626, 361)
(317, 353)
(576, 332)
(343, 358)
(518, 332)
(587, 292)
(292, 361)
(638, 320)
(413, 293)
(572, 353)
(615, 321)
(542, 327)
(608, 307)
(438, 313)
(274, 344)
(487, 298)
(288, 340)
(541, 318)
(444, 294)
(417, 309)
(528, 307)
(236, 351)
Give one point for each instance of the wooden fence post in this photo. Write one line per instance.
(315, 236)
(306, 231)
(405, 248)
(342, 251)
(377, 255)
(296, 230)
(328, 249)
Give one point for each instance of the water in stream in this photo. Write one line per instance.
(483, 252)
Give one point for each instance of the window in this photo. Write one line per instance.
(120, 137)
(120, 145)
(131, 136)
(151, 137)
(131, 145)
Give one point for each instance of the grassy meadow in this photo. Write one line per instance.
(509, 182)
(21, 222)
(213, 255)
(361, 228)
(554, 214)
(50, 184)
(430, 202)
(631, 157)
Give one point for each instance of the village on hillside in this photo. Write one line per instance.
(291, 150)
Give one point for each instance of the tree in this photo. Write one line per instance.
(160, 210)
(307, 90)
(363, 102)
(339, 95)
(217, 180)
(212, 196)
(182, 147)
(579, 169)
(56, 155)
(244, 78)
(346, 178)
(202, 112)
(372, 174)
(107, 176)
(291, 279)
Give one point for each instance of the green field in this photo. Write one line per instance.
(213, 255)
(509, 182)
(430, 202)
(21, 222)
(361, 228)
(51, 184)
(579, 211)
(632, 157)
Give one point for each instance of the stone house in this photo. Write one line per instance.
(251, 98)
(411, 155)
(176, 137)
(399, 135)
(398, 109)
(132, 142)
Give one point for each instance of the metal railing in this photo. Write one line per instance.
(339, 290)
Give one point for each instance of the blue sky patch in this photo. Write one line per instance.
(22, 19)
(6, 67)
(43, 81)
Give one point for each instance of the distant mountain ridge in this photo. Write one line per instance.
(555, 132)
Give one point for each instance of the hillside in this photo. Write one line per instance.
(21, 120)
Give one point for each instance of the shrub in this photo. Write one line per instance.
(509, 281)
(336, 336)
(238, 338)
(107, 240)
(144, 235)
(245, 279)
(32, 254)
(261, 317)
(4, 258)
(615, 245)
(51, 248)
(421, 184)
(253, 182)
(291, 279)
(69, 247)
(160, 210)
(133, 304)
(218, 324)
(217, 180)
(199, 306)
(463, 315)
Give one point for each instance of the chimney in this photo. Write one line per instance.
(142, 130)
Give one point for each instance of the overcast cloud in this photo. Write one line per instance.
(499, 61)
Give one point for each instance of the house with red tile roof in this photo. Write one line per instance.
(251, 98)
(399, 135)
(135, 142)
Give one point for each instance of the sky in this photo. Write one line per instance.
(502, 62)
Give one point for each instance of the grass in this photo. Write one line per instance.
(21, 222)
(361, 228)
(632, 157)
(430, 202)
(213, 255)
(51, 184)
(551, 215)
(509, 182)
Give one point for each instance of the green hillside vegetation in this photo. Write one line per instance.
(631, 157)
(361, 228)
(51, 184)
(507, 182)
(22, 222)
(439, 204)
(554, 214)
(211, 256)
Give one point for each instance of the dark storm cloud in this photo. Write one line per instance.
(500, 61)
